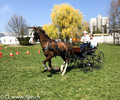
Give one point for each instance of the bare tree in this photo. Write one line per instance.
(17, 26)
(114, 17)
(118, 13)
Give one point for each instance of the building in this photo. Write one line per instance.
(7, 39)
(1, 35)
(30, 33)
(99, 24)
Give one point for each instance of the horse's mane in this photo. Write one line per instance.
(47, 36)
(43, 31)
(40, 29)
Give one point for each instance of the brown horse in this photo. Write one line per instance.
(52, 48)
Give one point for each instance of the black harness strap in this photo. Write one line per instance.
(46, 48)
(49, 47)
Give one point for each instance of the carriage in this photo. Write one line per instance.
(67, 52)
(90, 58)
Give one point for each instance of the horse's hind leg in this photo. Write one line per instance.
(61, 68)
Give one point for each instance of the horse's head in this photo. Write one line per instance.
(39, 32)
(36, 35)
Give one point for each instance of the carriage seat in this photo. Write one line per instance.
(89, 50)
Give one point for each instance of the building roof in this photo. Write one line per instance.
(2, 34)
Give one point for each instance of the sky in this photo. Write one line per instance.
(37, 12)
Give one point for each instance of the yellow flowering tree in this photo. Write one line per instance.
(67, 20)
(51, 30)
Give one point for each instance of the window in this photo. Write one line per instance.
(4, 40)
(16, 40)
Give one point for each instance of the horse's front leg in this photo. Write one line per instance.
(48, 58)
(51, 67)
(64, 71)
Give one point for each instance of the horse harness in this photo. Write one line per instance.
(49, 46)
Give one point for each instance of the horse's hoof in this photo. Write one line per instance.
(49, 69)
(63, 74)
(56, 69)
(45, 69)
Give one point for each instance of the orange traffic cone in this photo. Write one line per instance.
(17, 53)
(38, 51)
(27, 52)
(11, 55)
(0, 54)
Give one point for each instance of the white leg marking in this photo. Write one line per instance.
(65, 69)
(61, 68)
(45, 66)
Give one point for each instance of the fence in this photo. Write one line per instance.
(105, 38)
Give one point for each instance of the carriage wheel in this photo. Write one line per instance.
(88, 64)
(77, 62)
(73, 61)
(99, 63)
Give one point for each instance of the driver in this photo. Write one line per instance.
(93, 42)
(85, 41)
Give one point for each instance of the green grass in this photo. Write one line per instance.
(23, 75)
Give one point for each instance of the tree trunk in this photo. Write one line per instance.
(114, 38)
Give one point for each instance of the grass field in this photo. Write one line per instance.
(22, 75)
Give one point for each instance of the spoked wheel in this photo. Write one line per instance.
(99, 63)
(76, 61)
(72, 61)
(88, 64)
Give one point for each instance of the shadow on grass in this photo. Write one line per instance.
(69, 68)
(78, 66)
(52, 71)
